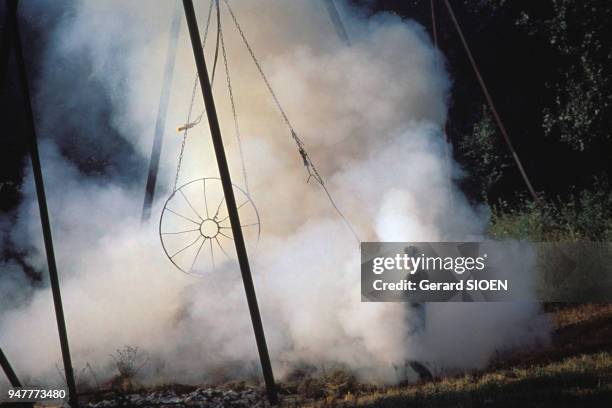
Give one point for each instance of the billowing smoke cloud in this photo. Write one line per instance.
(371, 116)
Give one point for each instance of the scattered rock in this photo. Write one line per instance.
(200, 398)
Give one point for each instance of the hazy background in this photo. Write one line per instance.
(371, 116)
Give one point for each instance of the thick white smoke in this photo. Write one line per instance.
(371, 116)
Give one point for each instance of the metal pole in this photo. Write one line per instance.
(487, 95)
(42, 206)
(447, 155)
(226, 181)
(337, 21)
(162, 111)
(12, 377)
(8, 370)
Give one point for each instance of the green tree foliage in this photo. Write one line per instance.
(580, 111)
(483, 153)
(579, 104)
(572, 39)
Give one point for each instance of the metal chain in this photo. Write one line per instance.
(310, 167)
(261, 73)
(312, 171)
(308, 164)
(193, 95)
(214, 68)
(234, 114)
(198, 119)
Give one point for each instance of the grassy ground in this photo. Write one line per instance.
(575, 371)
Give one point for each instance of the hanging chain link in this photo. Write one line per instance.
(234, 114)
(261, 72)
(313, 173)
(310, 167)
(193, 95)
(308, 164)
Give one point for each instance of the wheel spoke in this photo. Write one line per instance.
(222, 250)
(226, 236)
(182, 216)
(189, 203)
(205, 199)
(188, 246)
(219, 207)
(242, 226)
(239, 207)
(197, 254)
(212, 255)
(179, 232)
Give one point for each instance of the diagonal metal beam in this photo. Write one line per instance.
(228, 192)
(162, 112)
(489, 99)
(42, 204)
(334, 15)
(8, 370)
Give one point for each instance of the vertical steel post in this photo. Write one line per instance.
(42, 206)
(226, 181)
(162, 111)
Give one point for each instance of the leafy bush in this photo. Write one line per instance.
(585, 217)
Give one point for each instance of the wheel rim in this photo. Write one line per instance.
(195, 230)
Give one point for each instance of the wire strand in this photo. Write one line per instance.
(489, 99)
(234, 114)
(308, 164)
(193, 95)
(447, 141)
